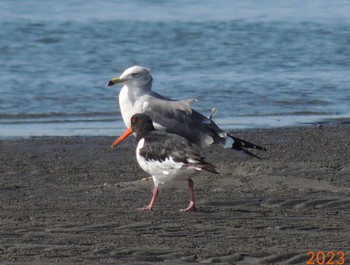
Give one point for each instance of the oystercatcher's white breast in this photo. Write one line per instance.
(166, 170)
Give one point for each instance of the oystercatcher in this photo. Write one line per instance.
(166, 157)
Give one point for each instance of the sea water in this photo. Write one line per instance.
(260, 63)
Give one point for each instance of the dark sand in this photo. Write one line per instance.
(73, 201)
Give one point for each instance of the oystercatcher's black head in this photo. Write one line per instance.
(141, 124)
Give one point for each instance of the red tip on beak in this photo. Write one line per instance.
(122, 137)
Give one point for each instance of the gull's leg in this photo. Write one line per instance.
(153, 200)
(192, 205)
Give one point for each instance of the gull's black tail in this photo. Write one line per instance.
(241, 145)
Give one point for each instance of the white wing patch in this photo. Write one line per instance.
(159, 127)
(145, 106)
(193, 161)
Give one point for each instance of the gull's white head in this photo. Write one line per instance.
(135, 76)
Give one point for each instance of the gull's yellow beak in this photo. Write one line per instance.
(115, 80)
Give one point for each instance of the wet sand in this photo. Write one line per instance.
(73, 201)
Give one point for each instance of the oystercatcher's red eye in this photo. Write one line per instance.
(133, 120)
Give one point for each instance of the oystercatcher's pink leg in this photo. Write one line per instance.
(153, 200)
(192, 205)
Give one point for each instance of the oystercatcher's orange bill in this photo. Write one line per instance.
(122, 137)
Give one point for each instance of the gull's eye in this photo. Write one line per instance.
(134, 74)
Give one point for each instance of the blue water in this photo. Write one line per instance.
(260, 63)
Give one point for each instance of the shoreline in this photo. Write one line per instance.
(112, 127)
(72, 200)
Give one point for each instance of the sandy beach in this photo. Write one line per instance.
(73, 200)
